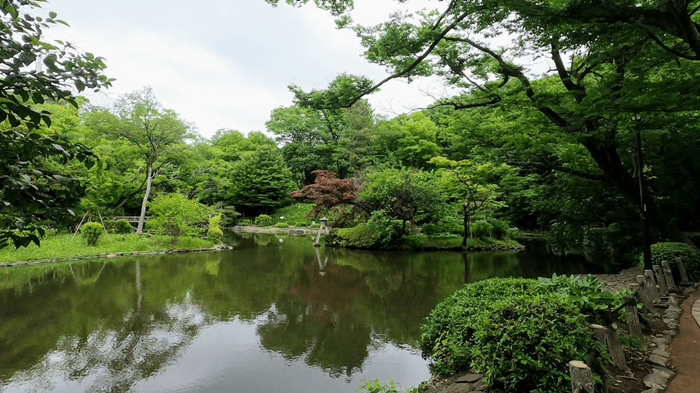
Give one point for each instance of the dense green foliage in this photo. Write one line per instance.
(175, 215)
(519, 332)
(214, 232)
(449, 329)
(523, 344)
(374, 386)
(91, 232)
(32, 193)
(263, 220)
(122, 226)
(669, 251)
(618, 70)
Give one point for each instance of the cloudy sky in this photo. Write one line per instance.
(227, 63)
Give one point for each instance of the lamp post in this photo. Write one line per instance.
(646, 243)
(324, 220)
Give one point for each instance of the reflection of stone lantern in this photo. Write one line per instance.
(639, 171)
(324, 220)
(321, 266)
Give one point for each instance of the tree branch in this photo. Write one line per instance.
(416, 62)
(663, 46)
(564, 74)
(510, 70)
(560, 168)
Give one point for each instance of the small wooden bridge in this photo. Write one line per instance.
(131, 219)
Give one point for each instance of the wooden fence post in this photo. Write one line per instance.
(645, 293)
(651, 285)
(643, 298)
(632, 316)
(669, 276)
(581, 377)
(681, 269)
(663, 289)
(609, 337)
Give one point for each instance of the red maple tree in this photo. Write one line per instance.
(328, 191)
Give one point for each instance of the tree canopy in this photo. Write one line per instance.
(609, 63)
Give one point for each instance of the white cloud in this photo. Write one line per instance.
(226, 63)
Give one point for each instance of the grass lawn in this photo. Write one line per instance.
(64, 246)
(294, 215)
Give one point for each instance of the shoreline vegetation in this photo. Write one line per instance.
(69, 247)
(416, 242)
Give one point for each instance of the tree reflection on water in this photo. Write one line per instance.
(106, 325)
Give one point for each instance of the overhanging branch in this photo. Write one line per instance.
(563, 169)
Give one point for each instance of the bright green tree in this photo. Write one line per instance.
(309, 140)
(155, 133)
(409, 139)
(467, 183)
(260, 181)
(175, 215)
(402, 194)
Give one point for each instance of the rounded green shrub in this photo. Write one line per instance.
(524, 343)
(449, 334)
(49, 232)
(669, 251)
(481, 229)
(122, 226)
(215, 234)
(281, 225)
(244, 222)
(263, 220)
(91, 232)
(448, 331)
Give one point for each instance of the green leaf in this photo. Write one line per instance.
(37, 98)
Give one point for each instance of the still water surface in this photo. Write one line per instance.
(272, 315)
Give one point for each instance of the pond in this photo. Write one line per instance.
(274, 314)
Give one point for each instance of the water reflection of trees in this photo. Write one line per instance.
(105, 330)
(335, 342)
(123, 320)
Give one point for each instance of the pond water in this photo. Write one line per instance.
(274, 314)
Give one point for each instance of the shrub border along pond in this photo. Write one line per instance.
(362, 237)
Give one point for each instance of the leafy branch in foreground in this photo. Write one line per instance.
(33, 71)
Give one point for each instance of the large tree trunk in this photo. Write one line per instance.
(142, 218)
(609, 161)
